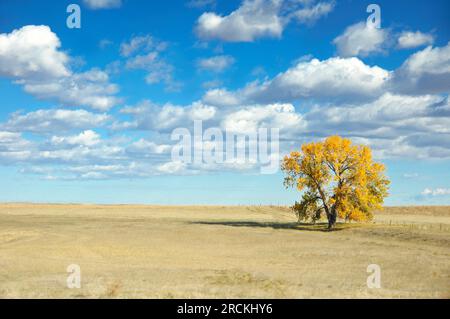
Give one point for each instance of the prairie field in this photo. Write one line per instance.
(135, 251)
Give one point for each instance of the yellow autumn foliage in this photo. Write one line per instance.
(337, 178)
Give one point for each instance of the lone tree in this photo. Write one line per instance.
(337, 178)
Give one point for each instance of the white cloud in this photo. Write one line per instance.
(216, 63)
(32, 52)
(238, 119)
(256, 19)
(145, 147)
(158, 69)
(148, 116)
(361, 40)
(91, 172)
(221, 97)
(426, 71)
(108, 171)
(432, 60)
(386, 109)
(430, 139)
(90, 88)
(337, 96)
(200, 111)
(146, 61)
(253, 19)
(144, 43)
(13, 147)
(31, 56)
(249, 119)
(347, 97)
(436, 192)
(344, 80)
(48, 121)
(145, 53)
(65, 154)
(334, 78)
(80, 154)
(395, 126)
(9, 137)
(87, 138)
(102, 4)
(309, 15)
(408, 39)
(172, 167)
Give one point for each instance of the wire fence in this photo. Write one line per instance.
(419, 226)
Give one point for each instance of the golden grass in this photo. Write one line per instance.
(137, 251)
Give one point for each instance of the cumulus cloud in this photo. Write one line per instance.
(144, 43)
(158, 70)
(399, 113)
(371, 105)
(149, 116)
(79, 154)
(249, 119)
(102, 4)
(146, 53)
(31, 56)
(256, 19)
(426, 71)
(430, 139)
(242, 119)
(253, 19)
(163, 119)
(147, 148)
(216, 63)
(387, 107)
(87, 138)
(395, 126)
(32, 52)
(82, 148)
(361, 39)
(386, 117)
(345, 80)
(90, 88)
(94, 172)
(13, 147)
(221, 97)
(311, 14)
(56, 120)
(334, 78)
(171, 167)
(408, 39)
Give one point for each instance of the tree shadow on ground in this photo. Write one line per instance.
(318, 227)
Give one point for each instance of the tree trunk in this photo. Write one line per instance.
(332, 218)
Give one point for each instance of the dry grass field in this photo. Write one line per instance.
(219, 252)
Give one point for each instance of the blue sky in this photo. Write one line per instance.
(86, 114)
